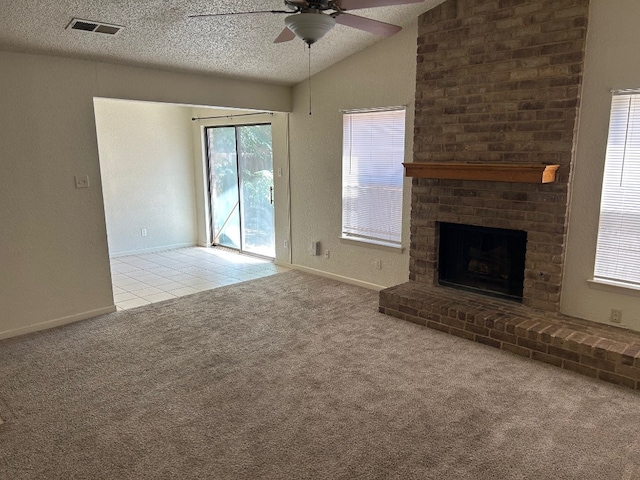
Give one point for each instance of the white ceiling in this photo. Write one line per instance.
(158, 33)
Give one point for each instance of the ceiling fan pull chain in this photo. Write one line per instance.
(309, 45)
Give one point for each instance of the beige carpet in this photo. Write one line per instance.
(297, 377)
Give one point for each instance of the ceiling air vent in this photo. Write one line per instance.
(97, 27)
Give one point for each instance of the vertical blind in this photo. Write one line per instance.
(618, 250)
(372, 173)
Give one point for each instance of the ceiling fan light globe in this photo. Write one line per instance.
(310, 27)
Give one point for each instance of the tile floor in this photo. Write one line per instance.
(152, 277)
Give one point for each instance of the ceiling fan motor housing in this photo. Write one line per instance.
(319, 4)
(310, 4)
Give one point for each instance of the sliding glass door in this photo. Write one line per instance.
(241, 187)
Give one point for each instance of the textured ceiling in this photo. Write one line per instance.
(158, 33)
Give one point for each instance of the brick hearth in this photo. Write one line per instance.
(600, 351)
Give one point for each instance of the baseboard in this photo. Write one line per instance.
(152, 249)
(57, 322)
(332, 276)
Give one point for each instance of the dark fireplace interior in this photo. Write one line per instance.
(482, 259)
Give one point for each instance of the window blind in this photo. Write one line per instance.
(372, 174)
(618, 247)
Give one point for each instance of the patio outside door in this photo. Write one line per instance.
(241, 188)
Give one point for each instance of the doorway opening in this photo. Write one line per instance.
(240, 171)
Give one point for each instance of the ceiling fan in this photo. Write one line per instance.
(307, 21)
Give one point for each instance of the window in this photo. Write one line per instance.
(372, 175)
(618, 250)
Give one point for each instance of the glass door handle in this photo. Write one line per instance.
(271, 195)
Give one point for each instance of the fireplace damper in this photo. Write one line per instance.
(482, 259)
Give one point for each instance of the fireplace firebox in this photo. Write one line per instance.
(482, 259)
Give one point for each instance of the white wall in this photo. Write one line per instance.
(54, 265)
(612, 62)
(146, 165)
(382, 75)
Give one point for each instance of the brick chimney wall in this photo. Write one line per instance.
(498, 81)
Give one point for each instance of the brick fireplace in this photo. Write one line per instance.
(498, 85)
(498, 81)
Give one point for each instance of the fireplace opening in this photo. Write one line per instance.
(482, 259)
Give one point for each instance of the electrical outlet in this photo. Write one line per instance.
(286, 244)
(279, 172)
(143, 232)
(82, 181)
(615, 316)
(326, 254)
(378, 264)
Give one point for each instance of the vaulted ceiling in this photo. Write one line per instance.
(160, 34)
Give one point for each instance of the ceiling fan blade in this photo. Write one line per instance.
(285, 36)
(367, 24)
(238, 13)
(356, 4)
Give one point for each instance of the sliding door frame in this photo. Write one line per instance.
(239, 180)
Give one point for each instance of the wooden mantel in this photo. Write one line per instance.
(494, 172)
